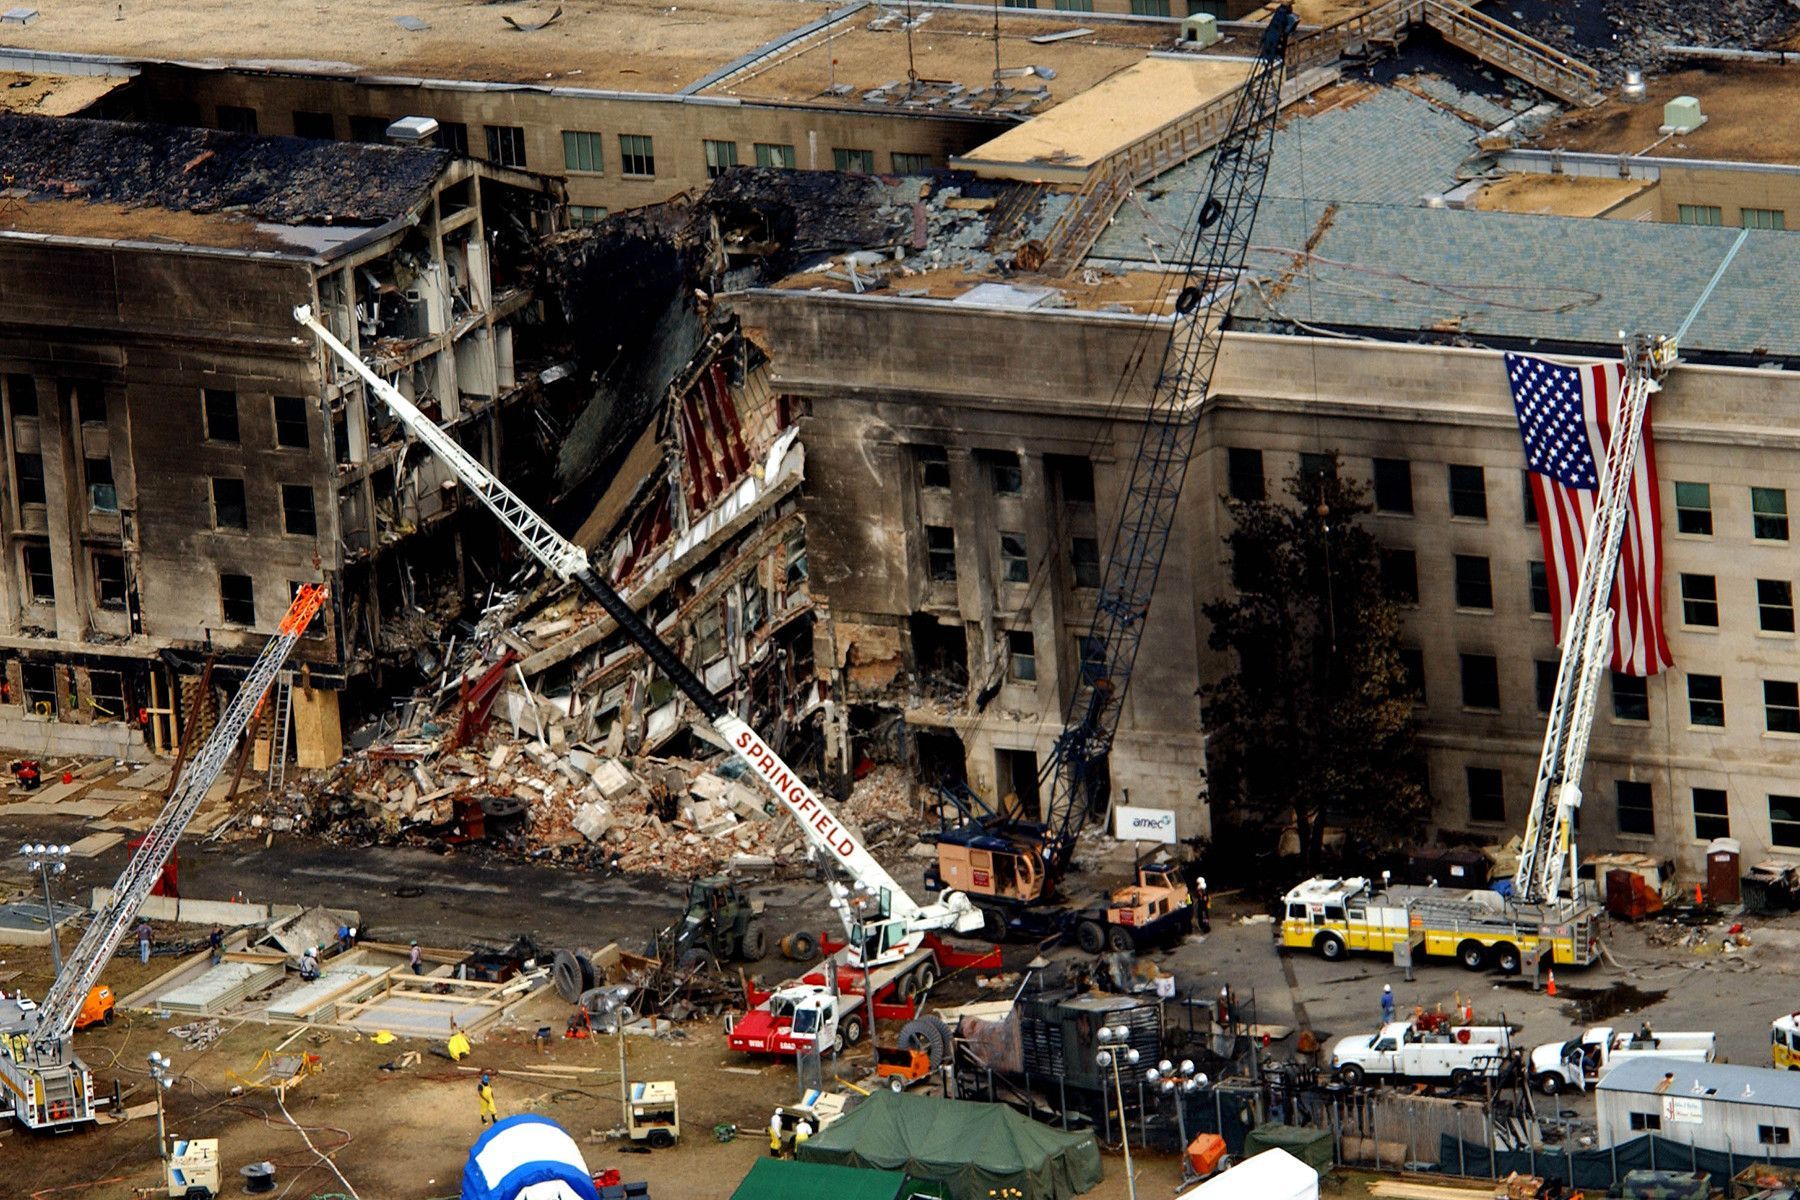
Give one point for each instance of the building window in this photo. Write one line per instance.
(103, 496)
(1546, 683)
(220, 408)
(1084, 559)
(454, 137)
(235, 118)
(229, 509)
(1763, 218)
(940, 552)
(1772, 1135)
(1712, 815)
(1784, 821)
(1644, 1120)
(28, 474)
(1074, 478)
(297, 514)
(90, 402)
(1021, 657)
(1083, 6)
(106, 694)
(237, 599)
(1706, 701)
(1400, 576)
(290, 422)
(1481, 681)
(1693, 509)
(637, 154)
(1631, 697)
(1700, 601)
(109, 581)
(370, 128)
(1018, 3)
(910, 164)
(1090, 658)
(40, 578)
(858, 162)
(1769, 514)
(316, 626)
(316, 125)
(1775, 605)
(1636, 814)
(506, 145)
(1699, 214)
(776, 154)
(1244, 473)
(1317, 468)
(1393, 485)
(1540, 587)
(1487, 795)
(582, 151)
(1014, 567)
(720, 157)
(1474, 586)
(40, 687)
(1007, 478)
(1530, 510)
(1468, 492)
(1781, 705)
(21, 394)
(1149, 8)
(1412, 667)
(934, 468)
(581, 216)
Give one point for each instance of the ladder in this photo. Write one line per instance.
(278, 738)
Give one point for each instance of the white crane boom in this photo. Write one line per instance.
(1547, 855)
(906, 920)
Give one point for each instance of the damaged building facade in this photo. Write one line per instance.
(178, 460)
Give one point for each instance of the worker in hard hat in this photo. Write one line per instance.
(485, 1090)
(1387, 1003)
(802, 1131)
(774, 1135)
(309, 964)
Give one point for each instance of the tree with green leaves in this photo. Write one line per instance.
(1314, 724)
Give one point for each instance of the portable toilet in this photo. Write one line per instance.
(1724, 874)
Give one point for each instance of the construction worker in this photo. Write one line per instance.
(415, 957)
(143, 932)
(1387, 1003)
(775, 1135)
(215, 941)
(802, 1131)
(309, 964)
(343, 937)
(485, 1090)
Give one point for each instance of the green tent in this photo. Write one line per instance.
(1310, 1146)
(972, 1149)
(785, 1179)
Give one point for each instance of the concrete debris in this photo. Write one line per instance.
(1615, 34)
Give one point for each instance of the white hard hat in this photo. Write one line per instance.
(1225, 991)
(1387, 987)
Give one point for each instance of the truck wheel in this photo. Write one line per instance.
(1459, 1078)
(1351, 1074)
(1330, 947)
(1119, 938)
(565, 970)
(801, 946)
(1472, 955)
(852, 1029)
(1506, 957)
(993, 925)
(905, 988)
(1090, 937)
(1550, 1083)
(198, 1193)
(837, 1040)
(108, 1018)
(660, 1139)
(755, 946)
(925, 975)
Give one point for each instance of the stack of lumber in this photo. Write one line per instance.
(221, 987)
(318, 1001)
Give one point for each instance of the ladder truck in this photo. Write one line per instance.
(901, 927)
(44, 1085)
(1010, 867)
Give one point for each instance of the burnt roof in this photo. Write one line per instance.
(283, 180)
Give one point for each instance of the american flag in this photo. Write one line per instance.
(1566, 414)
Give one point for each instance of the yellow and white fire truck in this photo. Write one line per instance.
(1478, 928)
(1784, 1042)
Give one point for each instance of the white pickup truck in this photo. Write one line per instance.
(1559, 1066)
(1404, 1051)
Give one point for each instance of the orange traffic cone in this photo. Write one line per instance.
(1697, 898)
(1550, 987)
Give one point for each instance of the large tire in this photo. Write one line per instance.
(590, 976)
(1550, 1083)
(755, 946)
(1331, 947)
(802, 946)
(1090, 937)
(993, 925)
(1472, 955)
(1119, 938)
(659, 1139)
(1351, 1074)
(853, 1029)
(925, 977)
(1459, 1078)
(1506, 957)
(929, 1036)
(565, 970)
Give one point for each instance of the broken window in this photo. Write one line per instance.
(21, 395)
(859, 162)
(102, 495)
(1014, 566)
(40, 580)
(1546, 682)
(775, 154)
(934, 467)
(1530, 510)
(1021, 656)
(1487, 795)
(454, 137)
(369, 129)
(1008, 479)
(290, 422)
(637, 154)
(28, 476)
(1244, 473)
(1712, 813)
(1412, 664)
(315, 627)
(940, 552)
(235, 118)
(297, 513)
(1393, 485)
(1400, 575)
(1480, 681)
(1084, 559)
(583, 215)
(106, 695)
(90, 401)
(229, 509)
(720, 157)
(1090, 658)
(220, 408)
(709, 635)
(506, 145)
(39, 681)
(316, 125)
(910, 164)
(237, 599)
(1073, 476)
(1316, 469)
(109, 581)
(582, 151)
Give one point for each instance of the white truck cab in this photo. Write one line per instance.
(1402, 1050)
(1560, 1066)
(814, 1015)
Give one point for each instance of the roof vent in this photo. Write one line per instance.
(413, 131)
(1633, 91)
(1682, 115)
(1199, 31)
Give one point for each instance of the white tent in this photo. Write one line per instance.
(1272, 1175)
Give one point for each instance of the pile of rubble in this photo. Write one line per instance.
(1615, 34)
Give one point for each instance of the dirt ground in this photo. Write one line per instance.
(1748, 117)
(1563, 195)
